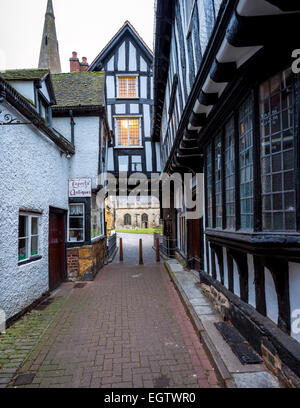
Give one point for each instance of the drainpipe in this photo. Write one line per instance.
(72, 123)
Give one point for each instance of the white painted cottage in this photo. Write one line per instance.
(48, 138)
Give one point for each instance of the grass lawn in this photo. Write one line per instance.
(139, 231)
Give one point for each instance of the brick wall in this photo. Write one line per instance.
(85, 262)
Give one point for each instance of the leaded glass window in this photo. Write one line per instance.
(230, 174)
(209, 188)
(218, 180)
(246, 163)
(277, 153)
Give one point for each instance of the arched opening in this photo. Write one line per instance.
(145, 220)
(127, 219)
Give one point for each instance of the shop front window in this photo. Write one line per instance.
(76, 222)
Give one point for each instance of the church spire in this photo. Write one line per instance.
(49, 55)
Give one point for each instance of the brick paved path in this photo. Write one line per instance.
(126, 329)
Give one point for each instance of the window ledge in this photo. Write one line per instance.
(27, 261)
(94, 240)
(121, 98)
(128, 147)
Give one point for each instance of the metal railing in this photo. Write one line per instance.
(111, 245)
(167, 245)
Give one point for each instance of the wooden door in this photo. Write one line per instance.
(57, 255)
(195, 247)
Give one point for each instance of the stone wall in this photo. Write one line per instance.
(85, 262)
(152, 213)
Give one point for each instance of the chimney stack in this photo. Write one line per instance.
(76, 66)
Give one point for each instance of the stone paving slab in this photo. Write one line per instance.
(204, 316)
(120, 331)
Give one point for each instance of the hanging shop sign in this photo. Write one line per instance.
(80, 187)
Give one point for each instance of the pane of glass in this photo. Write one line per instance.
(23, 249)
(76, 236)
(76, 209)
(277, 202)
(34, 226)
(289, 181)
(76, 222)
(276, 163)
(275, 103)
(34, 246)
(275, 84)
(123, 163)
(267, 223)
(23, 227)
(267, 203)
(278, 221)
(265, 165)
(277, 182)
(290, 221)
(275, 123)
(266, 184)
(289, 201)
(287, 140)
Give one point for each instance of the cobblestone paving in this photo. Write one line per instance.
(127, 329)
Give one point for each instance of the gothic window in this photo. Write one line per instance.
(144, 218)
(127, 219)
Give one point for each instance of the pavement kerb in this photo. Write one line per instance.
(222, 372)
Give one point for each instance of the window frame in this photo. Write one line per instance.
(123, 117)
(29, 216)
(136, 76)
(83, 228)
(257, 207)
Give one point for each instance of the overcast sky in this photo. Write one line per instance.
(84, 26)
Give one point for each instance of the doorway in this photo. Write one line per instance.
(57, 249)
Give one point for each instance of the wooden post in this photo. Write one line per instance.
(121, 250)
(157, 250)
(141, 252)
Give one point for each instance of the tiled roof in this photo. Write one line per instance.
(79, 89)
(24, 74)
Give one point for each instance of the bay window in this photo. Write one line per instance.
(277, 153)
(28, 237)
(270, 146)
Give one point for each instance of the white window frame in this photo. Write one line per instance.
(29, 235)
(138, 117)
(71, 204)
(136, 76)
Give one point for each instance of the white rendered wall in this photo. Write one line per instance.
(226, 283)
(251, 279)
(33, 175)
(44, 91)
(271, 297)
(62, 125)
(132, 57)
(25, 88)
(236, 280)
(86, 137)
(110, 85)
(122, 59)
(294, 281)
(147, 120)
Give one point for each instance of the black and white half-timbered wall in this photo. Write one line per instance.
(226, 105)
(128, 63)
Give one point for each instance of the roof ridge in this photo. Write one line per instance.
(126, 23)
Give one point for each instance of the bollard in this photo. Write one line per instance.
(141, 252)
(157, 250)
(121, 250)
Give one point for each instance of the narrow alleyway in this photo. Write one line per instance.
(128, 328)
